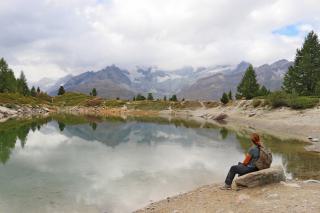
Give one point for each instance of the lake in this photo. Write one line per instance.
(66, 163)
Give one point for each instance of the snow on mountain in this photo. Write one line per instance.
(187, 82)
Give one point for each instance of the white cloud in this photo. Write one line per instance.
(55, 37)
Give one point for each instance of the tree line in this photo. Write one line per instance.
(150, 97)
(10, 84)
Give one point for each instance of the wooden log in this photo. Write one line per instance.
(262, 177)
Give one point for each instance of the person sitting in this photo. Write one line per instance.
(248, 165)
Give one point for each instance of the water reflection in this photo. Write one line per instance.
(87, 164)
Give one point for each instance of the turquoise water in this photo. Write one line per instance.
(88, 164)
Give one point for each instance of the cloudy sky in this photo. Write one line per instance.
(52, 38)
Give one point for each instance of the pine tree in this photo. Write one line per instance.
(224, 99)
(303, 76)
(230, 95)
(165, 98)
(134, 98)
(263, 91)
(317, 92)
(150, 97)
(33, 92)
(248, 86)
(140, 97)
(61, 126)
(38, 90)
(8, 82)
(174, 98)
(94, 92)
(22, 85)
(61, 90)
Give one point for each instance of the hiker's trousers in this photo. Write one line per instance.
(239, 169)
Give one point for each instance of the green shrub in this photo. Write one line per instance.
(303, 102)
(278, 99)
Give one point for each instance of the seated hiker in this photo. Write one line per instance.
(248, 165)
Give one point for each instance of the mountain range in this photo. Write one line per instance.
(191, 83)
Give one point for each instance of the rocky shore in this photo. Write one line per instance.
(22, 111)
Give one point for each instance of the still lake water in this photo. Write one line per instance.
(86, 164)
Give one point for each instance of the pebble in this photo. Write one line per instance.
(251, 114)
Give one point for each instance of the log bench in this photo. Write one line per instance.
(274, 174)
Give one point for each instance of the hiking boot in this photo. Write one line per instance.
(225, 187)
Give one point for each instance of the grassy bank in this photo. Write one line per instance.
(9, 99)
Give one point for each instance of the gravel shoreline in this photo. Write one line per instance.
(294, 196)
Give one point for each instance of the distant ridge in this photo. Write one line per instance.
(201, 83)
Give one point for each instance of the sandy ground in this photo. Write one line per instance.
(283, 197)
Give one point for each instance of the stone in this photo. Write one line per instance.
(46, 109)
(311, 181)
(262, 177)
(220, 117)
(312, 139)
(251, 114)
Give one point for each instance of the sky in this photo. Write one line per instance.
(52, 38)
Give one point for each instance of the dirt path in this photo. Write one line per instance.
(282, 197)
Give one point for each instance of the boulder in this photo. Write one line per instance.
(266, 176)
(220, 117)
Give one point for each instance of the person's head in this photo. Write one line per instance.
(255, 139)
